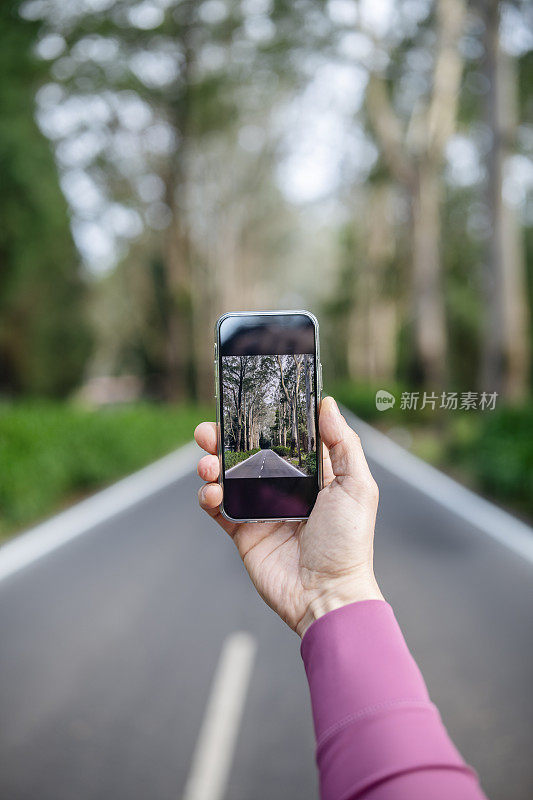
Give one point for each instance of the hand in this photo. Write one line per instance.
(305, 569)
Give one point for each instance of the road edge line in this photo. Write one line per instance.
(82, 517)
(487, 517)
(215, 746)
(241, 462)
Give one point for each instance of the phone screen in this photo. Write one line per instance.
(268, 414)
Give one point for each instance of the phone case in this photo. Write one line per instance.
(318, 385)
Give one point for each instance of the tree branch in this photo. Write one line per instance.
(447, 73)
(387, 128)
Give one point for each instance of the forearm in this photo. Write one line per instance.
(379, 737)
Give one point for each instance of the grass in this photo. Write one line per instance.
(54, 453)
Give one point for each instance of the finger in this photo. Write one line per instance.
(327, 469)
(344, 445)
(208, 468)
(210, 498)
(206, 436)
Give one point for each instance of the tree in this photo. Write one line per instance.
(298, 361)
(289, 399)
(236, 379)
(195, 73)
(414, 153)
(44, 334)
(506, 344)
(309, 410)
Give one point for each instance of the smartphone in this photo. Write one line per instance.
(268, 383)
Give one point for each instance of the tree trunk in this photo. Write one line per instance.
(506, 349)
(298, 365)
(293, 426)
(239, 404)
(415, 156)
(251, 421)
(178, 345)
(290, 405)
(238, 439)
(245, 421)
(309, 406)
(427, 290)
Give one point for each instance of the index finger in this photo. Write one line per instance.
(206, 437)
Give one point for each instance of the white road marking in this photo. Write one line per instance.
(82, 517)
(496, 523)
(291, 466)
(213, 756)
(241, 462)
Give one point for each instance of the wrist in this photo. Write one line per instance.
(338, 596)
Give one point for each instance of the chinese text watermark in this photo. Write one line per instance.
(449, 401)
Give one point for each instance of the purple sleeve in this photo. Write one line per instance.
(379, 737)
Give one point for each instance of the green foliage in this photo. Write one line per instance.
(44, 338)
(230, 459)
(498, 451)
(50, 453)
(360, 398)
(462, 260)
(281, 450)
(309, 463)
(491, 450)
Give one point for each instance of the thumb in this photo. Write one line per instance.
(344, 445)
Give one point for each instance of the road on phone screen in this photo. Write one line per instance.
(137, 654)
(264, 464)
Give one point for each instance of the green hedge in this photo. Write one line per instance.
(309, 463)
(231, 459)
(53, 453)
(281, 450)
(491, 450)
(498, 452)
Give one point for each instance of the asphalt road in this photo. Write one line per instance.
(264, 464)
(108, 648)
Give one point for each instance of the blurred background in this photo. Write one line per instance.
(164, 161)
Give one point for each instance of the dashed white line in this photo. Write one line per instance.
(211, 763)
